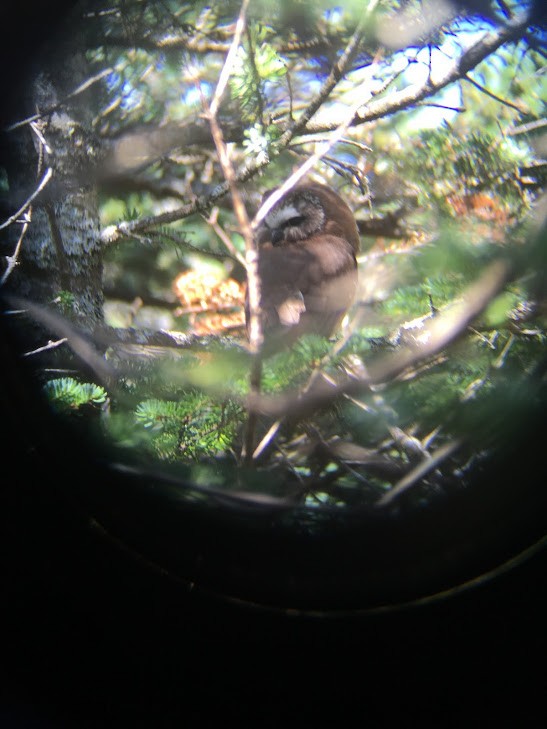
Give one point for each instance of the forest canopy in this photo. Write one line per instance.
(138, 162)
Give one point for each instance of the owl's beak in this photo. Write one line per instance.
(277, 236)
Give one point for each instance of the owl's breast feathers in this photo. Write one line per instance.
(308, 285)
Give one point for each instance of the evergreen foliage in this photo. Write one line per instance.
(67, 394)
(450, 198)
(192, 428)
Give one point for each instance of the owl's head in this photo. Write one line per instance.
(296, 217)
(308, 210)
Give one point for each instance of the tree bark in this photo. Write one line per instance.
(59, 263)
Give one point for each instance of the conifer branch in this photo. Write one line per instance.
(375, 108)
(442, 331)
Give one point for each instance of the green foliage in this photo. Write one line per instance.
(461, 165)
(65, 302)
(68, 395)
(256, 65)
(461, 190)
(499, 310)
(191, 428)
(514, 74)
(292, 367)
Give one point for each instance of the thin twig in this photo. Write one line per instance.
(212, 220)
(320, 138)
(45, 179)
(46, 347)
(44, 145)
(338, 71)
(256, 337)
(428, 464)
(442, 330)
(489, 93)
(427, 104)
(526, 128)
(228, 63)
(50, 109)
(268, 440)
(183, 243)
(78, 342)
(500, 361)
(374, 109)
(12, 260)
(338, 134)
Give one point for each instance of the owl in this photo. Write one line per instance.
(307, 264)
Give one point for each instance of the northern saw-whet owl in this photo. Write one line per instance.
(307, 264)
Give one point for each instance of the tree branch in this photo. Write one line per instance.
(441, 331)
(375, 108)
(43, 182)
(484, 90)
(78, 90)
(425, 466)
(410, 96)
(337, 72)
(256, 337)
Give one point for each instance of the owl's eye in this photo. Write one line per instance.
(278, 234)
(294, 222)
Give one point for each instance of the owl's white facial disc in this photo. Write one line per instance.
(280, 215)
(295, 218)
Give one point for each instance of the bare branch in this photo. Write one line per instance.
(212, 220)
(484, 90)
(12, 260)
(410, 96)
(78, 342)
(441, 331)
(428, 464)
(375, 108)
(229, 62)
(526, 128)
(361, 92)
(338, 70)
(46, 348)
(50, 109)
(256, 336)
(43, 182)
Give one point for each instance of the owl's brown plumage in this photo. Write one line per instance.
(307, 265)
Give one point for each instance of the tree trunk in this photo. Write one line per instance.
(59, 264)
